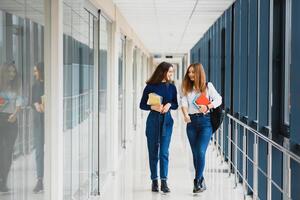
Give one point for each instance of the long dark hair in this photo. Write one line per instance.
(40, 68)
(160, 73)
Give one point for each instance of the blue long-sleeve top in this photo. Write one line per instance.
(166, 90)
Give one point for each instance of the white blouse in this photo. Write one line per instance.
(211, 94)
(9, 101)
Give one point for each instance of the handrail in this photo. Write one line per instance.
(279, 147)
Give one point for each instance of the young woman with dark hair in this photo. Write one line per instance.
(199, 128)
(159, 123)
(38, 123)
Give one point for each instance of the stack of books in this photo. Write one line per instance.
(154, 99)
(3, 101)
(200, 100)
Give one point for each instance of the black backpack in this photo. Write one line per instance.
(216, 117)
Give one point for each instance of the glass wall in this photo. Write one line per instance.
(134, 83)
(80, 131)
(22, 100)
(104, 63)
(121, 64)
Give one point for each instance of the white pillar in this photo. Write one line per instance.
(129, 91)
(54, 100)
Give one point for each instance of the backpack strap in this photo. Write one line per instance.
(207, 90)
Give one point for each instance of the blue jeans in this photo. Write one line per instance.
(8, 136)
(158, 131)
(199, 132)
(39, 141)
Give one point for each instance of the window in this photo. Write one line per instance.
(22, 139)
(121, 86)
(281, 65)
(287, 103)
(80, 135)
(104, 63)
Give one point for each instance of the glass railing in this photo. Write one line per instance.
(240, 157)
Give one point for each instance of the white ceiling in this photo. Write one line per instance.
(32, 9)
(171, 26)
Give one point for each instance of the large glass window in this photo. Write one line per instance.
(121, 80)
(104, 63)
(134, 83)
(288, 30)
(80, 139)
(22, 100)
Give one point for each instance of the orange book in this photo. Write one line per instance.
(201, 100)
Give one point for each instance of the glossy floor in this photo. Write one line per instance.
(132, 180)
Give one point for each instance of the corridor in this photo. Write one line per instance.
(73, 74)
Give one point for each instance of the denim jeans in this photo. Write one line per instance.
(158, 131)
(8, 136)
(199, 132)
(39, 141)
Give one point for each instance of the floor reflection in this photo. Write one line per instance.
(21, 184)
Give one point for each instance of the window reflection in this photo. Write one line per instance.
(21, 100)
(38, 105)
(10, 106)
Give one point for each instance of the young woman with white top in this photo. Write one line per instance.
(199, 128)
(10, 105)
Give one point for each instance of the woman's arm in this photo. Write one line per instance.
(143, 103)
(13, 117)
(184, 109)
(186, 116)
(214, 96)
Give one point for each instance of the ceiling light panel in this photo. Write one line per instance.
(171, 25)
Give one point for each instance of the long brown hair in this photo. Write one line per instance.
(160, 73)
(199, 83)
(40, 68)
(5, 83)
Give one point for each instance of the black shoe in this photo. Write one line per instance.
(3, 188)
(202, 184)
(155, 186)
(197, 187)
(39, 187)
(164, 186)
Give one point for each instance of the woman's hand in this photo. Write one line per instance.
(166, 108)
(12, 118)
(157, 108)
(42, 108)
(187, 118)
(203, 108)
(38, 107)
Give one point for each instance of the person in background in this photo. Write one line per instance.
(38, 123)
(199, 128)
(10, 105)
(159, 123)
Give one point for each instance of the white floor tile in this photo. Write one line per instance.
(132, 180)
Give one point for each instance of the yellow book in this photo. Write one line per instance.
(154, 99)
